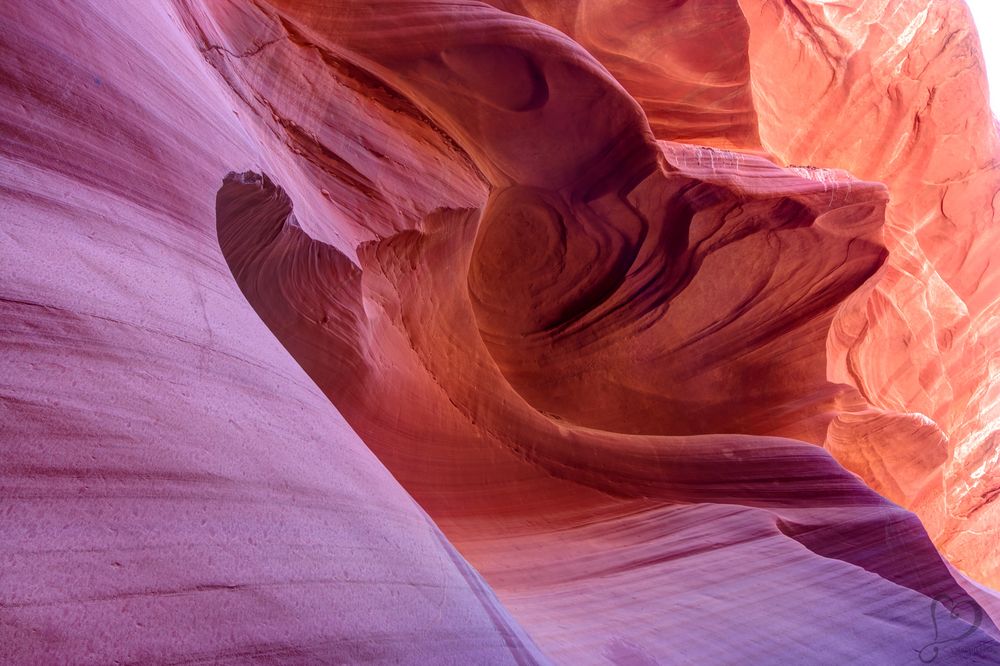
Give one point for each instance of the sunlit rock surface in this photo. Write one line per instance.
(895, 92)
(524, 332)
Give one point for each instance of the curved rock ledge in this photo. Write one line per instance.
(517, 334)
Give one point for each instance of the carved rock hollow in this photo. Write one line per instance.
(598, 331)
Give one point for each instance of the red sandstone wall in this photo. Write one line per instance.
(557, 272)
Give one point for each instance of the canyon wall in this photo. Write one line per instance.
(586, 332)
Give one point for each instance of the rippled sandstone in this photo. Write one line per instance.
(461, 333)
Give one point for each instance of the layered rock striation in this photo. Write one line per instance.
(498, 333)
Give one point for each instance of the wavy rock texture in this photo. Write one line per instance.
(901, 91)
(549, 281)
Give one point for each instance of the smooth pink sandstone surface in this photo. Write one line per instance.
(520, 332)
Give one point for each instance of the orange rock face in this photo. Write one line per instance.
(900, 93)
(666, 314)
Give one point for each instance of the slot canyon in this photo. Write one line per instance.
(514, 332)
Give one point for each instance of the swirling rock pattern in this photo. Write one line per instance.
(923, 343)
(549, 280)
